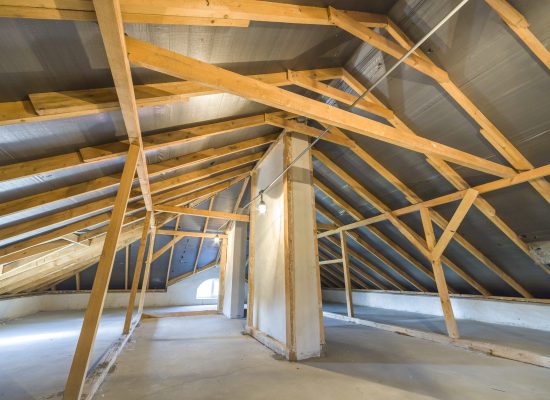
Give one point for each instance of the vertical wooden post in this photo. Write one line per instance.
(251, 250)
(347, 276)
(223, 263)
(81, 360)
(145, 283)
(126, 265)
(176, 227)
(77, 277)
(137, 272)
(450, 322)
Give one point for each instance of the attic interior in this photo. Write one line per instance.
(291, 199)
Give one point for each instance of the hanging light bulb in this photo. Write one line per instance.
(217, 239)
(262, 207)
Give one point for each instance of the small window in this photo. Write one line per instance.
(208, 289)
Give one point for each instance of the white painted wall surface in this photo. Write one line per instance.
(513, 313)
(304, 243)
(269, 285)
(182, 293)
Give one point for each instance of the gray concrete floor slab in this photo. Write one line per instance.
(206, 357)
(519, 338)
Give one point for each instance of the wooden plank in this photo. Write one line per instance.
(454, 223)
(111, 181)
(334, 261)
(146, 273)
(190, 234)
(180, 196)
(161, 60)
(347, 281)
(177, 224)
(173, 314)
(192, 12)
(126, 265)
(519, 25)
(109, 18)
(448, 314)
(201, 240)
(81, 360)
(202, 213)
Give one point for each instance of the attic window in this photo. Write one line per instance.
(208, 289)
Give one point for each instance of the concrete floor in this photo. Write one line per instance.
(206, 357)
(519, 338)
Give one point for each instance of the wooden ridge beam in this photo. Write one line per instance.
(202, 213)
(231, 13)
(519, 25)
(153, 57)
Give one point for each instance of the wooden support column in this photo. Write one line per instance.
(85, 344)
(176, 227)
(204, 229)
(145, 283)
(448, 314)
(347, 276)
(137, 273)
(126, 265)
(223, 264)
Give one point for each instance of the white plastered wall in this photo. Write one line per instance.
(269, 257)
(233, 303)
(182, 293)
(513, 313)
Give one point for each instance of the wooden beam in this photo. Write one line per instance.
(456, 220)
(449, 198)
(109, 18)
(81, 360)
(450, 322)
(191, 12)
(347, 281)
(201, 240)
(334, 261)
(146, 273)
(188, 274)
(190, 234)
(126, 265)
(176, 227)
(161, 60)
(111, 181)
(519, 25)
(202, 213)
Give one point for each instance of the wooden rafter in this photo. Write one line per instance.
(448, 173)
(202, 213)
(168, 62)
(405, 230)
(111, 181)
(519, 25)
(423, 64)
